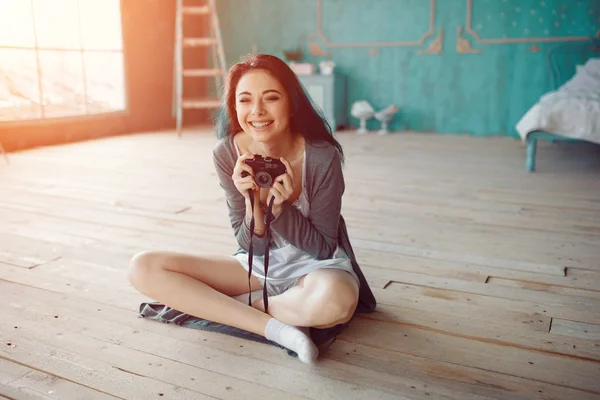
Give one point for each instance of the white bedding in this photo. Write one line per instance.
(572, 111)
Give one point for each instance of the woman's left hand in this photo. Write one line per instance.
(282, 189)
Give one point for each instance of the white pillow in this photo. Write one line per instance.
(586, 78)
(592, 67)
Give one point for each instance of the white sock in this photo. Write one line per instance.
(243, 298)
(292, 338)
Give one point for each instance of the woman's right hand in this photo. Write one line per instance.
(244, 183)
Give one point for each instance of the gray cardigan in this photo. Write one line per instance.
(321, 232)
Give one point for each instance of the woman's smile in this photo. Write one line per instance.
(260, 125)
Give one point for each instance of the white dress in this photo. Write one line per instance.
(287, 263)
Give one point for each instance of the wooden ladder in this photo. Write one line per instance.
(216, 71)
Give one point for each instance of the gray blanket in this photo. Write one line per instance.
(165, 314)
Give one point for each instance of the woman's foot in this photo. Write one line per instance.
(292, 338)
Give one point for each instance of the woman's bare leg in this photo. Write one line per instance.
(321, 299)
(202, 286)
(198, 286)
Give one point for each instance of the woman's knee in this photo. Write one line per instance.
(142, 266)
(345, 301)
(333, 295)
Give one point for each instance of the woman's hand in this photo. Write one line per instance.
(243, 179)
(282, 189)
(244, 183)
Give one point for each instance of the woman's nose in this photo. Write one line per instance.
(258, 108)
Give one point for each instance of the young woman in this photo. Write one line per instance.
(313, 280)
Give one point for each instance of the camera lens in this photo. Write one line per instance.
(263, 179)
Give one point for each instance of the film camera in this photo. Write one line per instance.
(266, 169)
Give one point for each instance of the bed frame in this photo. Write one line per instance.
(562, 60)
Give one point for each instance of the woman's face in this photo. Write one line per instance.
(262, 106)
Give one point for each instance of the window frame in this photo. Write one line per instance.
(51, 120)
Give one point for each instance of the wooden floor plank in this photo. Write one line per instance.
(499, 333)
(590, 278)
(563, 228)
(556, 304)
(491, 385)
(196, 382)
(519, 251)
(466, 204)
(25, 252)
(497, 262)
(475, 210)
(470, 271)
(59, 360)
(91, 196)
(21, 382)
(574, 373)
(115, 293)
(544, 287)
(152, 238)
(577, 310)
(589, 332)
(486, 310)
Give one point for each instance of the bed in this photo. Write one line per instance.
(571, 111)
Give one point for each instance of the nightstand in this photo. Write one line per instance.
(328, 92)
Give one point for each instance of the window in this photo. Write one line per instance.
(60, 58)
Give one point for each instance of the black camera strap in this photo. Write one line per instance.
(268, 219)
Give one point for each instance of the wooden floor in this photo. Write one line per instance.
(487, 277)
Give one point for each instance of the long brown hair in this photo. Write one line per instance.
(307, 118)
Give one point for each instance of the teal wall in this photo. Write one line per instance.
(480, 94)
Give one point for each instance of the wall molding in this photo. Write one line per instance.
(463, 46)
(435, 46)
(315, 48)
(430, 31)
(550, 39)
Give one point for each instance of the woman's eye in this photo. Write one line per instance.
(272, 98)
(244, 100)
